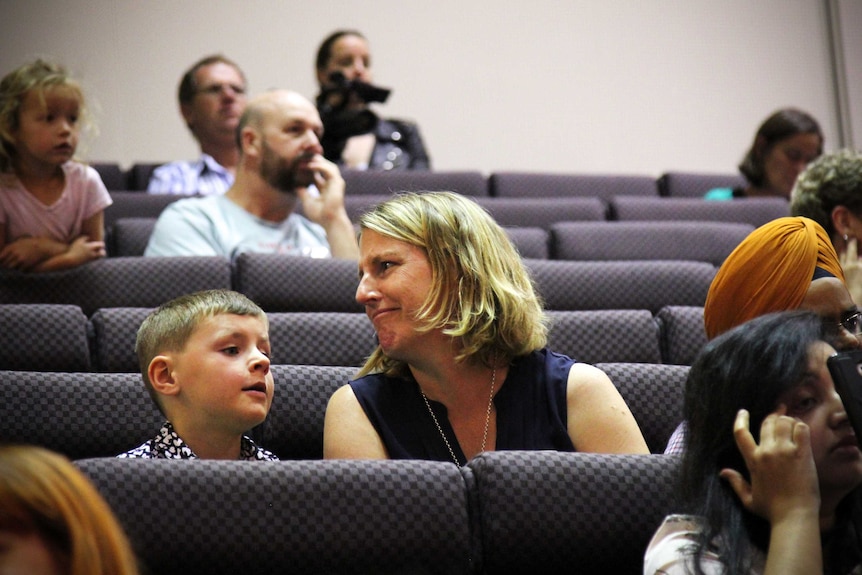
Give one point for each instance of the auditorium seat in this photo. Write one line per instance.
(113, 176)
(294, 427)
(139, 175)
(682, 333)
(669, 240)
(114, 332)
(654, 392)
(43, 337)
(130, 236)
(375, 182)
(541, 184)
(542, 212)
(586, 513)
(530, 242)
(752, 211)
(678, 184)
(650, 285)
(280, 283)
(321, 338)
(117, 282)
(344, 516)
(82, 414)
(136, 205)
(629, 335)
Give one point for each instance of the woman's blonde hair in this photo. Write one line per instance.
(41, 76)
(42, 492)
(481, 294)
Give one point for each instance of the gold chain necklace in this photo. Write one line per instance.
(487, 418)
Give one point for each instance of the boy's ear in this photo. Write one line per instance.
(161, 375)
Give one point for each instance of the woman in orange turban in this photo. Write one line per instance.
(786, 264)
(772, 270)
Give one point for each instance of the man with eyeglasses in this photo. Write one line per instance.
(212, 96)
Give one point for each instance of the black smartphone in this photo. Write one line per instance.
(846, 370)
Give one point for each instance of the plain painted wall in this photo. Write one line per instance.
(622, 86)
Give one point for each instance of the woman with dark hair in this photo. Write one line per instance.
(354, 136)
(771, 474)
(784, 144)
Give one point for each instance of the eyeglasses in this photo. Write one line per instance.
(852, 323)
(217, 89)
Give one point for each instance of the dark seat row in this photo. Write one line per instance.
(573, 240)
(475, 183)
(504, 513)
(87, 414)
(539, 212)
(56, 337)
(286, 284)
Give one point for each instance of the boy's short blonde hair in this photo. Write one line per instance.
(482, 294)
(169, 327)
(14, 87)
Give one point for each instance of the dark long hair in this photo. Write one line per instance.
(779, 126)
(748, 367)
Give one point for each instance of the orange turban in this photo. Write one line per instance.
(770, 270)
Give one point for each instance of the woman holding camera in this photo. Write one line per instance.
(354, 136)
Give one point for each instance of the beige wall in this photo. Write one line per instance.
(621, 86)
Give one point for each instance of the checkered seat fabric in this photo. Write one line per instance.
(294, 427)
(78, 414)
(281, 283)
(586, 513)
(651, 285)
(537, 184)
(602, 241)
(605, 335)
(682, 333)
(654, 393)
(117, 282)
(229, 517)
(43, 337)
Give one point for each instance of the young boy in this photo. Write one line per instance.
(205, 361)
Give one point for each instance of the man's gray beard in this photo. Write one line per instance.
(281, 175)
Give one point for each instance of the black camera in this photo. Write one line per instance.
(846, 370)
(339, 122)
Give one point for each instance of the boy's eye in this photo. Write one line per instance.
(231, 350)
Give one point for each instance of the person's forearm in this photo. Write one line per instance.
(794, 545)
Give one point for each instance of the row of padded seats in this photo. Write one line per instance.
(287, 284)
(89, 414)
(67, 340)
(540, 212)
(475, 183)
(504, 513)
(591, 240)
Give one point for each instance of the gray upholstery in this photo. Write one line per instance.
(114, 332)
(321, 338)
(753, 211)
(654, 392)
(696, 184)
(603, 241)
(139, 175)
(539, 184)
(294, 427)
(651, 285)
(530, 242)
(605, 335)
(682, 333)
(117, 282)
(518, 211)
(376, 182)
(43, 337)
(585, 513)
(542, 212)
(281, 283)
(112, 175)
(229, 517)
(136, 205)
(81, 414)
(130, 236)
